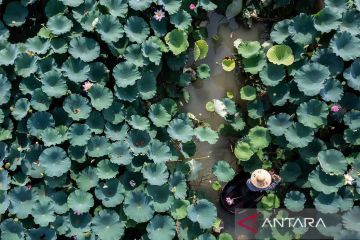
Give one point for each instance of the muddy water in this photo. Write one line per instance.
(214, 88)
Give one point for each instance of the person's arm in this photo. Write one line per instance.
(276, 180)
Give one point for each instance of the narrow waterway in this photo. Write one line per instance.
(216, 87)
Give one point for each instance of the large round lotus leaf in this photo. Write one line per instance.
(272, 74)
(59, 45)
(152, 51)
(159, 152)
(280, 31)
(329, 59)
(76, 70)
(312, 113)
(325, 183)
(117, 8)
(53, 136)
(345, 45)
(206, 134)
(77, 107)
(294, 201)
(180, 130)
(115, 113)
(327, 20)
(337, 5)
(84, 48)
(45, 232)
(98, 146)
(177, 41)
(116, 132)
(79, 134)
(40, 101)
(43, 212)
(181, 20)
(248, 48)
(107, 225)
(228, 64)
(5, 87)
(101, 97)
(15, 14)
(38, 122)
(136, 29)
(280, 55)
(27, 85)
(332, 91)
(37, 45)
(259, 137)
(310, 78)
(278, 124)
(156, 174)
(109, 28)
(352, 136)
(139, 141)
(111, 192)
(74, 224)
(352, 75)
(171, 6)
(350, 22)
(202, 212)
(21, 200)
(129, 93)
(4, 181)
(133, 54)
(203, 71)
(302, 30)
(279, 94)
(352, 119)
(310, 152)
(12, 230)
(179, 209)
(162, 197)
(53, 84)
(327, 203)
(146, 86)
(178, 184)
(332, 162)
(243, 151)
(138, 206)
(255, 63)
(8, 54)
(248, 93)
(54, 161)
(120, 153)
(161, 228)
(21, 108)
(351, 219)
(290, 171)
(87, 179)
(99, 72)
(80, 201)
(299, 135)
(59, 24)
(106, 169)
(223, 171)
(25, 65)
(126, 74)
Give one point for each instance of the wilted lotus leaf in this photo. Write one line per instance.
(345, 45)
(295, 201)
(248, 48)
(223, 171)
(327, 20)
(302, 29)
(138, 206)
(202, 212)
(325, 183)
(280, 55)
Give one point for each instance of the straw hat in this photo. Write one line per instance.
(261, 178)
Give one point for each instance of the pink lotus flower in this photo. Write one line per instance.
(229, 200)
(29, 186)
(78, 213)
(192, 6)
(335, 108)
(87, 85)
(159, 15)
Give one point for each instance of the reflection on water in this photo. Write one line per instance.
(214, 88)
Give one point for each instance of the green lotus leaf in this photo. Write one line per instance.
(77, 107)
(162, 198)
(129, 93)
(201, 49)
(181, 20)
(189, 229)
(136, 29)
(101, 97)
(248, 48)
(5, 87)
(233, 9)
(329, 59)
(280, 55)
(272, 74)
(332, 162)
(116, 132)
(138, 206)
(46, 233)
(161, 228)
(38, 122)
(248, 93)
(302, 30)
(8, 54)
(310, 152)
(53, 84)
(134, 54)
(177, 40)
(350, 22)
(139, 141)
(4, 181)
(327, 20)
(126, 74)
(280, 31)
(269, 202)
(12, 230)
(290, 171)
(76, 70)
(243, 151)
(345, 45)
(87, 179)
(311, 77)
(117, 8)
(179, 209)
(327, 203)
(80, 201)
(21, 108)
(259, 137)
(25, 65)
(59, 45)
(98, 146)
(107, 225)
(225, 236)
(337, 5)
(202, 212)
(295, 201)
(332, 91)
(72, 3)
(21, 201)
(255, 63)
(53, 136)
(352, 75)
(75, 224)
(178, 185)
(325, 183)
(256, 109)
(206, 134)
(352, 119)
(159, 116)
(43, 212)
(59, 24)
(228, 64)
(352, 136)
(207, 5)
(4, 32)
(146, 86)
(223, 171)
(279, 94)
(27, 85)
(111, 193)
(152, 51)
(37, 45)
(279, 123)
(313, 113)
(86, 49)
(203, 71)
(54, 7)
(99, 73)
(79, 134)
(106, 169)
(109, 28)
(15, 14)
(54, 161)
(155, 173)
(159, 152)
(299, 135)
(120, 153)
(180, 130)
(351, 219)
(115, 113)
(171, 6)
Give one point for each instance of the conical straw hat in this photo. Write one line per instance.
(261, 178)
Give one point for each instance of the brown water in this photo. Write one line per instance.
(216, 87)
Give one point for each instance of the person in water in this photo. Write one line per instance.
(262, 180)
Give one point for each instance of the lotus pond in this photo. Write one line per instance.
(124, 119)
